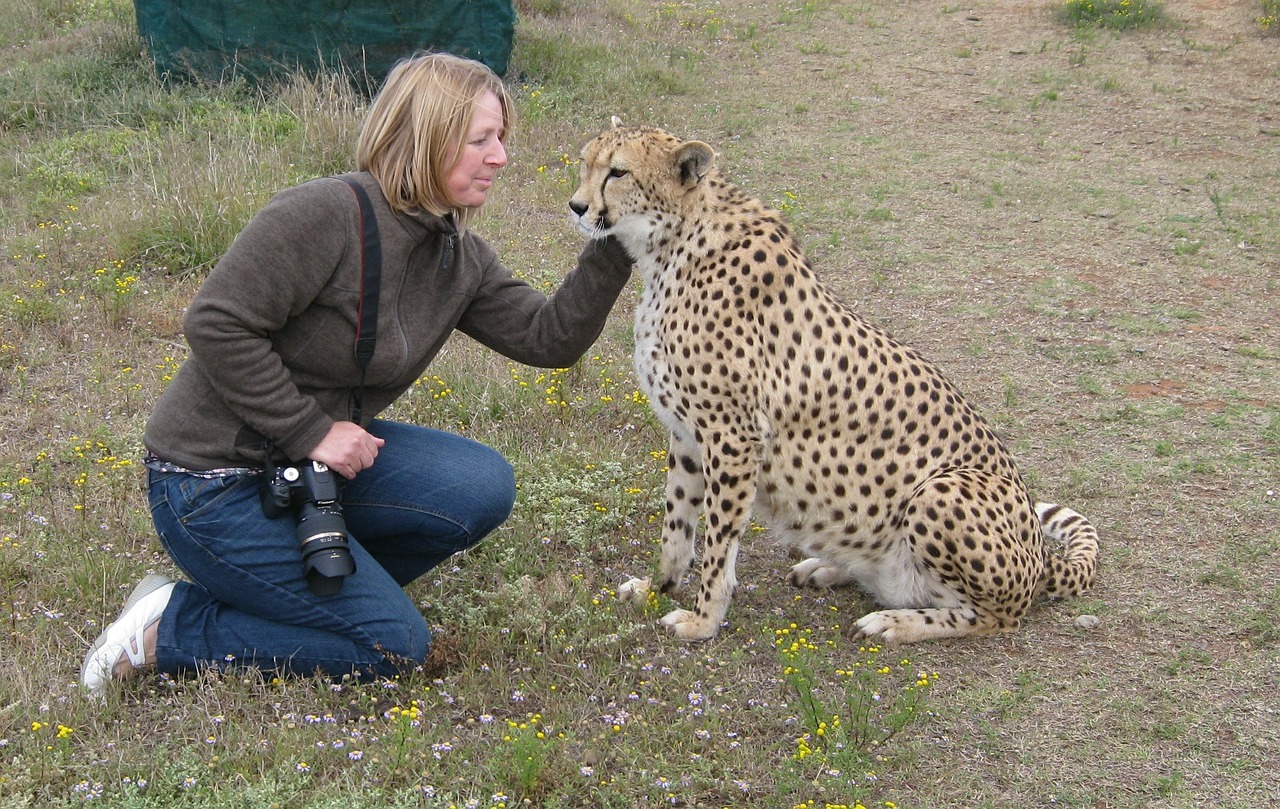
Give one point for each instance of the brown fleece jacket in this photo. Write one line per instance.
(272, 329)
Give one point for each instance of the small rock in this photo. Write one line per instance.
(1088, 621)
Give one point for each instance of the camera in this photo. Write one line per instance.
(310, 490)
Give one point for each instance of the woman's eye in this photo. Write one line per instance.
(615, 173)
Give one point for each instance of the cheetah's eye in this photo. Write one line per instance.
(616, 173)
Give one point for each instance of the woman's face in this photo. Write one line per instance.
(481, 156)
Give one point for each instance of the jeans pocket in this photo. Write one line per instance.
(191, 497)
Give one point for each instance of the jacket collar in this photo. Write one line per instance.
(420, 224)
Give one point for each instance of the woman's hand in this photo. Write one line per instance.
(347, 448)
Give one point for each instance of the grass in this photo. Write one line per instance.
(1119, 15)
(1270, 15)
(1128, 358)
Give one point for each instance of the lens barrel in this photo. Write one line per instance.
(326, 554)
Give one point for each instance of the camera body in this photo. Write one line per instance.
(311, 491)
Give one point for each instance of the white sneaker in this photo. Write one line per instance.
(144, 607)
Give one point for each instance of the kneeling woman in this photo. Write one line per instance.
(273, 376)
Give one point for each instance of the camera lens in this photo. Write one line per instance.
(326, 554)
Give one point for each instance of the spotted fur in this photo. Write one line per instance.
(780, 399)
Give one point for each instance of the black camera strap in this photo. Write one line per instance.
(370, 285)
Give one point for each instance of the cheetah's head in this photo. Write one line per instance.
(636, 182)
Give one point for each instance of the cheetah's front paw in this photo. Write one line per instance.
(634, 592)
(686, 625)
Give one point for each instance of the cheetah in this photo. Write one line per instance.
(780, 400)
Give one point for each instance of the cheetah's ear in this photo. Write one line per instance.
(693, 160)
(615, 121)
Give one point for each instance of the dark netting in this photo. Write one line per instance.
(258, 40)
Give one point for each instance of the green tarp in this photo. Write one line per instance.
(217, 40)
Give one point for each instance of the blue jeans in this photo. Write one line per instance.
(428, 495)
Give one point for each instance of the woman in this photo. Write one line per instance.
(272, 380)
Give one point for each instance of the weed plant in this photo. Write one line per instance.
(1269, 19)
(1118, 15)
(876, 696)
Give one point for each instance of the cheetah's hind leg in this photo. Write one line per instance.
(634, 592)
(815, 572)
(912, 625)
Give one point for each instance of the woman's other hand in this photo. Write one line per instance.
(347, 448)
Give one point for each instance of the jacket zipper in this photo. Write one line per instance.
(446, 258)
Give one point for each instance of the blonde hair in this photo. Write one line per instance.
(417, 125)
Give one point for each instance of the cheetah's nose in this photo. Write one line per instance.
(579, 208)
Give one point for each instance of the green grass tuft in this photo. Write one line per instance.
(1269, 19)
(1120, 15)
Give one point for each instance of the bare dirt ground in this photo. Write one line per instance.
(1083, 230)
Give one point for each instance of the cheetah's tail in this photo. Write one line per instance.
(1071, 569)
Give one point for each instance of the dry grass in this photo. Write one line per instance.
(1080, 226)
